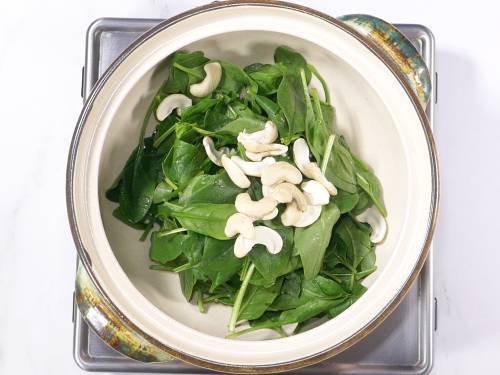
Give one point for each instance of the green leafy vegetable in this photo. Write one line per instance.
(171, 191)
(311, 242)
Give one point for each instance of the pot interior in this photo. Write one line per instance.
(362, 117)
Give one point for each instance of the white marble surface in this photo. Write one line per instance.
(41, 54)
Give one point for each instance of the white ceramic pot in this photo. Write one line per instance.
(377, 111)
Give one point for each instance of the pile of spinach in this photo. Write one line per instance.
(169, 188)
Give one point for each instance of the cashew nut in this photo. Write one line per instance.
(308, 168)
(301, 153)
(257, 156)
(291, 214)
(316, 193)
(255, 209)
(309, 216)
(264, 236)
(265, 136)
(251, 168)
(376, 221)
(171, 102)
(280, 172)
(234, 172)
(271, 215)
(239, 223)
(213, 76)
(285, 193)
(212, 153)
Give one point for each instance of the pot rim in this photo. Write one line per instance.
(377, 320)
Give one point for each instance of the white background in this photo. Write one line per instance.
(41, 55)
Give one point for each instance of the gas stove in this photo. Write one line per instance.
(402, 344)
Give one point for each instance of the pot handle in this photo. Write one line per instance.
(113, 330)
(398, 48)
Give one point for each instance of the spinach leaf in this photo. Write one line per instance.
(345, 201)
(267, 77)
(236, 126)
(357, 291)
(185, 162)
(289, 297)
(371, 185)
(196, 112)
(322, 288)
(192, 247)
(275, 114)
(311, 242)
(204, 218)
(364, 202)
(138, 184)
(163, 193)
(166, 248)
(205, 188)
(292, 102)
(178, 80)
(291, 60)
(356, 237)
(320, 126)
(188, 281)
(234, 79)
(218, 261)
(257, 300)
(272, 266)
(341, 169)
(140, 225)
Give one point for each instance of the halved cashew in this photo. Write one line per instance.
(312, 170)
(308, 168)
(234, 172)
(209, 83)
(291, 214)
(258, 156)
(171, 102)
(252, 168)
(271, 215)
(257, 147)
(309, 216)
(301, 153)
(264, 236)
(239, 223)
(376, 221)
(265, 136)
(315, 192)
(212, 153)
(285, 193)
(280, 172)
(255, 209)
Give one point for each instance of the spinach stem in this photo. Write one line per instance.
(322, 80)
(244, 268)
(164, 136)
(184, 267)
(317, 104)
(306, 89)
(188, 70)
(327, 153)
(280, 331)
(146, 231)
(233, 112)
(199, 298)
(171, 183)
(270, 325)
(239, 298)
(173, 231)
